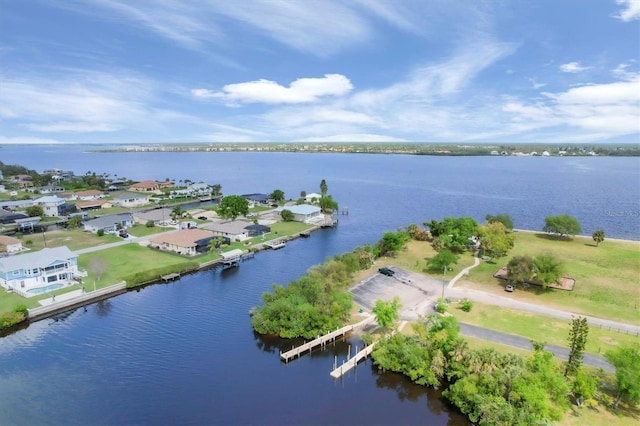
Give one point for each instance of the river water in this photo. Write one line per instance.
(184, 352)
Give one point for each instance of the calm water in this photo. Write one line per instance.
(184, 353)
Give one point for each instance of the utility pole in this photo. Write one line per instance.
(444, 273)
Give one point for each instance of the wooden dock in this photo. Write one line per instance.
(170, 277)
(276, 244)
(351, 363)
(322, 340)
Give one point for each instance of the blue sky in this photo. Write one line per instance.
(151, 71)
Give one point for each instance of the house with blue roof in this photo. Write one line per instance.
(38, 272)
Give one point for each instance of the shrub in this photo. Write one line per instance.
(441, 307)
(150, 224)
(100, 232)
(11, 318)
(466, 305)
(21, 309)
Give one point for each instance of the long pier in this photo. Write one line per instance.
(351, 363)
(322, 340)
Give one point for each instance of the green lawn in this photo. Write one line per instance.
(607, 277)
(537, 327)
(139, 230)
(117, 270)
(75, 239)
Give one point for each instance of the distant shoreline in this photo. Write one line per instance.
(430, 149)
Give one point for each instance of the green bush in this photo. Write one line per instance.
(11, 318)
(150, 224)
(466, 305)
(21, 309)
(100, 232)
(441, 307)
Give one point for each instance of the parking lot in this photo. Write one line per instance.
(417, 293)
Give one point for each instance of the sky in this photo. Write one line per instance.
(208, 71)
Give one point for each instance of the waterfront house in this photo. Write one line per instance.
(161, 216)
(10, 217)
(236, 230)
(94, 205)
(132, 200)
(89, 195)
(10, 245)
(52, 205)
(254, 199)
(186, 242)
(305, 213)
(27, 224)
(110, 224)
(35, 273)
(313, 197)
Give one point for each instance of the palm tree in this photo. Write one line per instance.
(547, 269)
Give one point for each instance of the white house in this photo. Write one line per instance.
(132, 200)
(303, 212)
(10, 245)
(313, 197)
(109, 223)
(51, 205)
(89, 195)
(35, 273)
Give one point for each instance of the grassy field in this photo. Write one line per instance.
(607, 277)
(537, 327)
(75, 239)
(415, 256)
(117, 269)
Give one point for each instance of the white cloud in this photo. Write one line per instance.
(630, 10)
(573, 67)
(606, 110)
(302, 90)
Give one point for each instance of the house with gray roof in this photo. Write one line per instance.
(305, 213)
(35, 273)
(109, 223)
(161, 216)
(52, 205)
(236, 230)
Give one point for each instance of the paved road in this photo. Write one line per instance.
(418, 295)
(509, 302)
(131, 239)
(524, 343)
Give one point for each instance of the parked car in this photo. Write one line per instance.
(202, 217)
(386, 271)
(509, 288)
